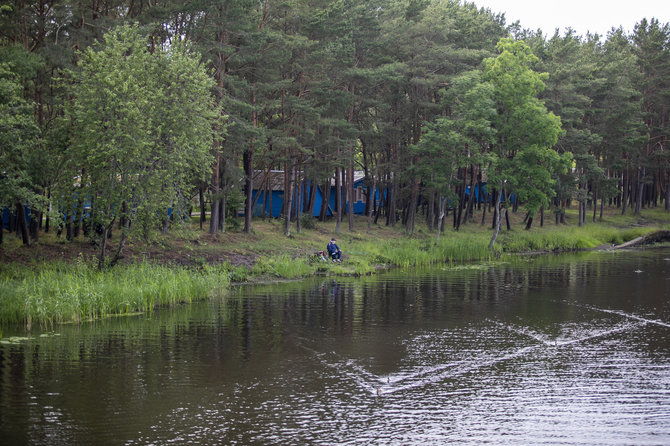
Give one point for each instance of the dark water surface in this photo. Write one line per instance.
(550, 350)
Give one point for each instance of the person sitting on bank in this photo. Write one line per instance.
(334, 251)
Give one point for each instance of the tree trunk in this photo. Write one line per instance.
(34, 225)
(223, 204)
(371, 197)
(529, 222)
(214, 217)
(640, 193)
(624, 199)
(77, 217)
(498, 220)
(440, 218)
(122, 241)
(103, 247)
(497, 230)
(350, 188)
(325, 200)
(312, 197)
(201, 197)
(288, 194)
(496, 207)
(249, 187)
(580, 218)
(22, 223)
(338, 199)
(47, 220)
(393, 202)
(413, 204)
(298, 198)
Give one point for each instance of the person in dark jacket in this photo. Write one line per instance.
(334, 251)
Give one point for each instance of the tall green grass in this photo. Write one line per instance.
(60, 293)
(568, 238)
(452, 247)
(282, 266)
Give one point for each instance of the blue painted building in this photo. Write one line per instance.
(6, 215)
(266, 183)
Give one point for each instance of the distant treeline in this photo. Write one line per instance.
(430, 99)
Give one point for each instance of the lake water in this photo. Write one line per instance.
(568, 349)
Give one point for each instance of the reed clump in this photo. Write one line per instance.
(61, 293)
(282, 266)
(567, 238)
(453, 247)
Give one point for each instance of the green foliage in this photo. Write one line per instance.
(18, 139)
(143, 128)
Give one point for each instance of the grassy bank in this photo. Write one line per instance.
(55, 281)
(60, 293)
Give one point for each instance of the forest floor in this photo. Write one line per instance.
(192, 246)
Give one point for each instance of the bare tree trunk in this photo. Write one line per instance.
(298, 198)
(201, 200)
(624, 199)
(122, 242)
(312, 197)
(249, 187)
(498, 219)
(325, 200)
(22, 223)
(214, 217)
(350, 188)
(103, 247)
(372, 197)
(441, 212)
(529, 222)
(34, 225)
(338, 199)
(497, 230)
(393, 201)
(640, 194)
(289, 201)
(223, 204)
(411, 210)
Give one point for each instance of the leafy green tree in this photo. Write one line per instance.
(572, 81)
(143, 130)
(457, 140)
(617, 114)
(651, 42)
(523, 159)
(18, 139)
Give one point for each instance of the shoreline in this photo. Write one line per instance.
(56, 282)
